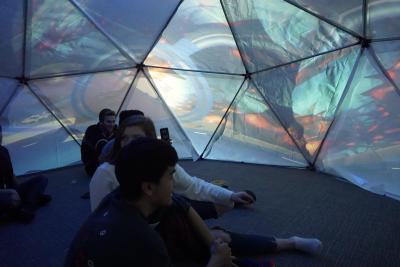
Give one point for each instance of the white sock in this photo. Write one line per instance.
(309, 245)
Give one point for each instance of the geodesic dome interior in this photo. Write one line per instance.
(297, 83)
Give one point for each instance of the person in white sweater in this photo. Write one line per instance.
(208, 199)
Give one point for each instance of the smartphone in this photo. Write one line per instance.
(164, 132)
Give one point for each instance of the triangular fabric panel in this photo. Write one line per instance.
(388, 54)
(77, 100)
(124, 21)
(305, 95)
(197, 100)
(36, 141)
(383, 18)
(11, 37)
(274, 32)
(143, 97)
(348, 14)
(198, 38)
(363, 145)
(7, 88)
(62, 40)
(251, 133)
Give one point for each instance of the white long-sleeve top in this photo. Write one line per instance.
(104, 181)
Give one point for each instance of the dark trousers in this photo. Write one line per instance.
(30, 191)
(9, 200)
(184, 245)
(251, 245)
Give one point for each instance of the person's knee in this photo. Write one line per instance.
(9, 199)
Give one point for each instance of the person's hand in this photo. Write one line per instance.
(242, 198)
(220, 255)
(220, 234)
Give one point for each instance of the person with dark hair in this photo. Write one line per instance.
(96, 136)
(209, 200)
(19, 200)
(118, 233)
(122, 116)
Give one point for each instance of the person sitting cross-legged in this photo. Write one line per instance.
(19, 201)
(96, 136)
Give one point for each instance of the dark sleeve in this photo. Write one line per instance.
(6, 169)
(88, 152)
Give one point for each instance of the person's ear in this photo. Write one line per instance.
(147, 188)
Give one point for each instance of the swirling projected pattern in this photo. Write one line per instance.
(271, 33)
(308, 98)
(364, 144)
(198, 38)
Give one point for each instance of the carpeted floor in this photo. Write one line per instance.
(357, 228)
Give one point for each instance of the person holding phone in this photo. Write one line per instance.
(209, 200)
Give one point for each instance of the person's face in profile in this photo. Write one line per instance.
(109, 123)
(131, 133)
(162, 191)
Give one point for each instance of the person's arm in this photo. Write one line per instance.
(198, 189)
(220, 251)
(87, 146)
(102, 183)
(200, 227)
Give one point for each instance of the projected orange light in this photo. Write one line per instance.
(312, 146)
(372, 128)
(257, 121)
(212, 119)
(378, 137)
(380, 93)
(235, 53)
(392, 74)
(390, 131)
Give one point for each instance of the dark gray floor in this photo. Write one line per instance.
(357, 228)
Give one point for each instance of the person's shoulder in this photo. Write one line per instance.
(3, 148)
(4, 151)
(93, 127)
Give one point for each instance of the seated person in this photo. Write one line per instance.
(117, 233)
(115, 225)
(107, 149)
(19, 200)
(207, 199)
(96, 136)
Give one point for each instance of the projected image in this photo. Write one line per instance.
(367, 131)
(250, 130)
(198, 100)
(76, 100)
(305, 95)
(74, 45)
(35, 139)
(198, 38)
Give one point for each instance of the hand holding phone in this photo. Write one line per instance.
(164, 132)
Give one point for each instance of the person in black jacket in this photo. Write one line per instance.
(118, 232)
(95, 138)
(19, 200)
